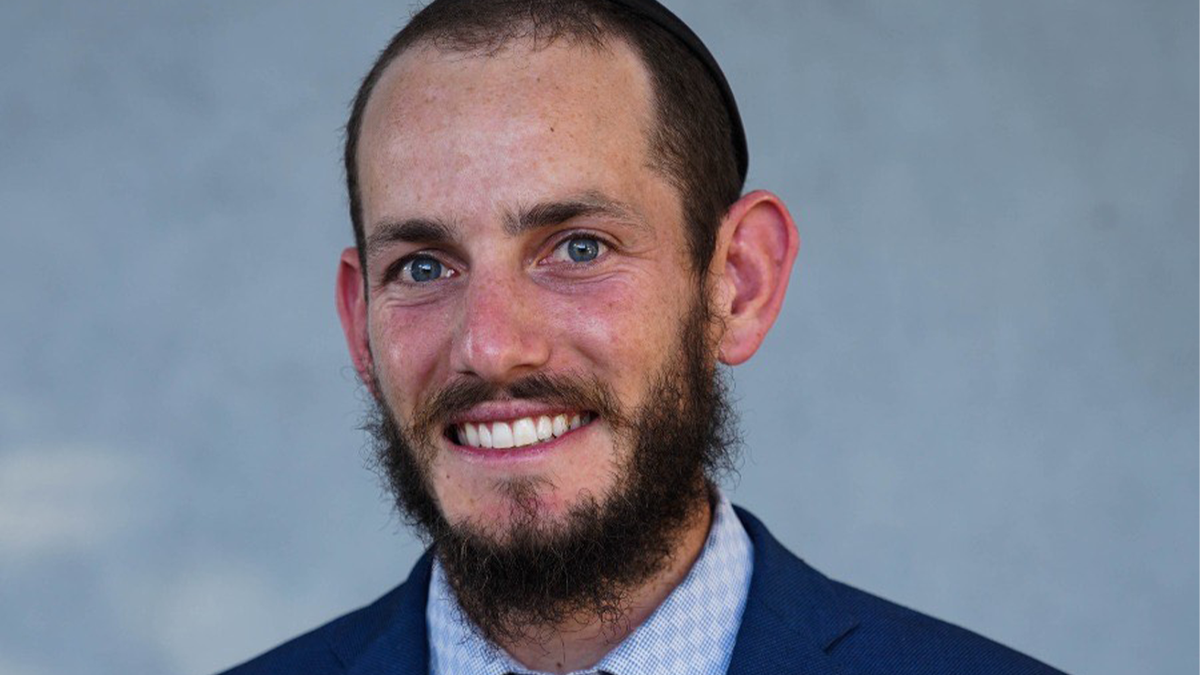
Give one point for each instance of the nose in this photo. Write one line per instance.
(501, 334)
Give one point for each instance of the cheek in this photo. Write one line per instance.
(408, 345)
(623, 331)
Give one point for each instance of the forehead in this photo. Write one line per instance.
(460, 135)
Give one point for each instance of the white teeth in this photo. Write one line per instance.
(524, 432)
(502, 436)
(545, 428)
(521, 432)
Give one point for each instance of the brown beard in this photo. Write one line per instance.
(539, 576)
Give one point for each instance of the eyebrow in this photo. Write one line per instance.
(417, 230)
(542, 214)
(590, 203)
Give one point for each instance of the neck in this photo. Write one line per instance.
(582, 641)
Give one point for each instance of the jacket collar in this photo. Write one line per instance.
(792, 617)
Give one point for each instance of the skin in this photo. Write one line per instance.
(473, 143)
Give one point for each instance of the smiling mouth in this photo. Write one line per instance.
(517, 433)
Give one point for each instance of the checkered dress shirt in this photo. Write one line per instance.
(692, 631)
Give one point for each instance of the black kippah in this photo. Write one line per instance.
(662, 16)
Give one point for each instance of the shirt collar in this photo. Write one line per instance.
(692, 631)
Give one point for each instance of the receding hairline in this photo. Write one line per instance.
(649, 118)
(431, 46)
(609, 41)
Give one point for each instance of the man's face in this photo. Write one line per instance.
(517, 228)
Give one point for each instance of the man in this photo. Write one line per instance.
(553, 252)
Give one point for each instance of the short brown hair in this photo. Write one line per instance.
(691, 140)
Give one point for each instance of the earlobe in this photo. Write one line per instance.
(352, 310)
(758, 245)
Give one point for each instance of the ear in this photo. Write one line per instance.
(756, 246)
(352, 309)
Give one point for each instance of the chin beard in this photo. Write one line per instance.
(537, 576)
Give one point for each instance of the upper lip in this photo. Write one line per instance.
(493, 411)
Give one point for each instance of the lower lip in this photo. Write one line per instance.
(518, 454)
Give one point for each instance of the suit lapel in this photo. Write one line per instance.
(792, 613)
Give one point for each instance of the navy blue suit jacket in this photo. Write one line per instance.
(796, 621)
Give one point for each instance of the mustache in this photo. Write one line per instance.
(568, 390)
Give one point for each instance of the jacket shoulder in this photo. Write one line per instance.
(335, 646)
(315, 652)
(794, 613)
(891, 638)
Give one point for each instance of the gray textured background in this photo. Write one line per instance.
(981, 399)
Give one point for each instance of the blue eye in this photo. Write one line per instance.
(583, 249)
(424, 268)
